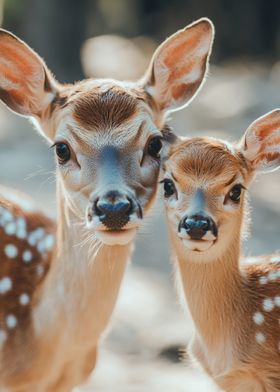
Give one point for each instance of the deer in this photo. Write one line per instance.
(234, 302)
(59, 280)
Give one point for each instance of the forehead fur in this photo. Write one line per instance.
(206, 157)
(106, 104)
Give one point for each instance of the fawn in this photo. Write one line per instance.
(235, 307)
(59, 282)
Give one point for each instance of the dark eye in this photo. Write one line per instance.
(169, 187)
(154, 147)
(63, 152)
(235, 193)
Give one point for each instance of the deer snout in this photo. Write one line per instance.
(198, 226)
(114, 209)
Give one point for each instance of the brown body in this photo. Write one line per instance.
(235, 305)
(108, 137)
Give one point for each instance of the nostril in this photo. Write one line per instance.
(130, 206)
(121, 207)
(109, 207)
(97, 207)
(204, 224)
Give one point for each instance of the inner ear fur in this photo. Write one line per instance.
(260, 144)
(179, 66)
(26, 85)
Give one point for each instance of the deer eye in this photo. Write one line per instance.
(63, 152)
(235, 193)
(154, 147)
(169, 187)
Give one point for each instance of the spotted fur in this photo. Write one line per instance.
(27, 243)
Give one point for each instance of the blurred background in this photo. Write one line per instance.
(116, 38)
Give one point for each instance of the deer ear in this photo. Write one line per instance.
(179, 66)
(26, 85)
(261, 143)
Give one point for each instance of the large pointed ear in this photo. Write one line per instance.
(26, 85)
(261, 143)
(179, 66)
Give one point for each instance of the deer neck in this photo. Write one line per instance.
(214, 291)
(82, 285)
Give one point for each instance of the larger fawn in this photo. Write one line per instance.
(56, 300)
(235, 306)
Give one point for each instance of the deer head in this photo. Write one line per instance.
(107, 134)
(205, 186)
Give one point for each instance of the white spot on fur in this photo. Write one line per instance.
(21, 234)
(7, 216)
(24, 299)
(3, 337)
(268, 304)
(263, 280)
(21, 223)
(35, 236)
(41, 246)
(21, 228)
(260, 337)
(10, 228)
(258, 318)
(277, 300)
(46, 244)
(11, 251)
(27, 256)
(11, 321)
(275, 259)
(5, 285)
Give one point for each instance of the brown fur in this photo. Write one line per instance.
(95, 110)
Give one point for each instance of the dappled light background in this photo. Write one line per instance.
(116, 38)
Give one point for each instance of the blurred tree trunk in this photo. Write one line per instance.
(56, 30)
(1, 11)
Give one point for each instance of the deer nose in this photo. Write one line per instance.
(197, 226)
(120, 207)
(114, 209)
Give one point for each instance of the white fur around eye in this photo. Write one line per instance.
(171, 201)
(230, 206)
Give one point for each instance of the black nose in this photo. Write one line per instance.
(197, 226)
(114, 209)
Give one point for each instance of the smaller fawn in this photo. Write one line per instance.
(235, 307)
